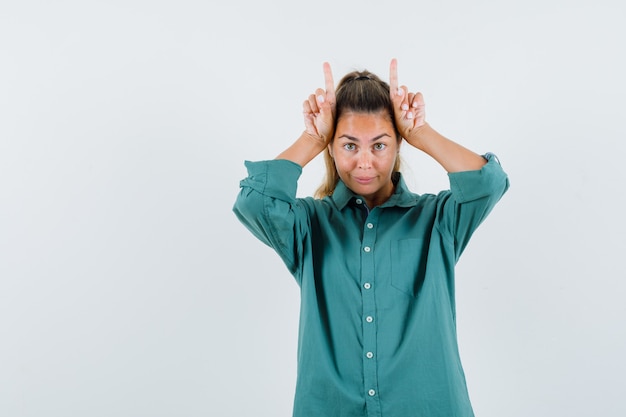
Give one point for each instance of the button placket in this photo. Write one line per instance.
(368, 297)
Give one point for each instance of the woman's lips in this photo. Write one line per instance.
(364, 180)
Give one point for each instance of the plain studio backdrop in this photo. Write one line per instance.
(127, 286)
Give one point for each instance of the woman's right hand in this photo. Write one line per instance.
(319, 110)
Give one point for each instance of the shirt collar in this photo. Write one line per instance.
(401, 197)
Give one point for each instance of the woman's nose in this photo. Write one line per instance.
(365, 160)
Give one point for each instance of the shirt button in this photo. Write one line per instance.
(369, 319)
(370, 225)
(371, 392)
(359, 201)
(367, 285)
(367, 249)
(369, 355)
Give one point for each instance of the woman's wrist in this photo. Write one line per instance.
(419, 136)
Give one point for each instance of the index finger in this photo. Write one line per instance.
(393, 76)
(328, 80)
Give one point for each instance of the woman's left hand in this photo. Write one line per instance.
(408, 108)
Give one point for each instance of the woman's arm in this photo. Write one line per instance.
(409, 109)
(319, 112)
(452, 156)
(303, 150)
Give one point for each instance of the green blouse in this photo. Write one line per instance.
(377, 334)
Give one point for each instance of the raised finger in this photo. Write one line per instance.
(328, 82)
(393, 77)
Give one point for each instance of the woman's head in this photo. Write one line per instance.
(362, 92)
(364, 149)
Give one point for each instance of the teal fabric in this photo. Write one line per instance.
(377, 334)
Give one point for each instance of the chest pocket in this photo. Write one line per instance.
(408, 265)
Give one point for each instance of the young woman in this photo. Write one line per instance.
(374, 262)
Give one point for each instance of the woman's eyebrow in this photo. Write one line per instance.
(374, 139)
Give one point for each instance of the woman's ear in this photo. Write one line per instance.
(330, 150)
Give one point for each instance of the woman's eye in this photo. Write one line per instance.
(349, 146)
(379, 146)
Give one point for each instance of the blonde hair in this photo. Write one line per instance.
(359, 92)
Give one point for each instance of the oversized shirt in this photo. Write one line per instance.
(377, 331)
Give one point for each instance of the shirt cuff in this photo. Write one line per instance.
(472, 185)
(276, 178)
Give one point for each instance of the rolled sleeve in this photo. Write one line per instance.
(277, 179)
(472, 196)
(267, 206)
(473, 185)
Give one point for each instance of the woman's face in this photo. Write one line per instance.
(365, 149)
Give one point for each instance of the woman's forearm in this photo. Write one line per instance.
(452, 156)
(303, 150)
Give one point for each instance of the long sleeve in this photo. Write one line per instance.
(267, 206)
(472, 196)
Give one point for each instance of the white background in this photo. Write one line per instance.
(127, 286)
